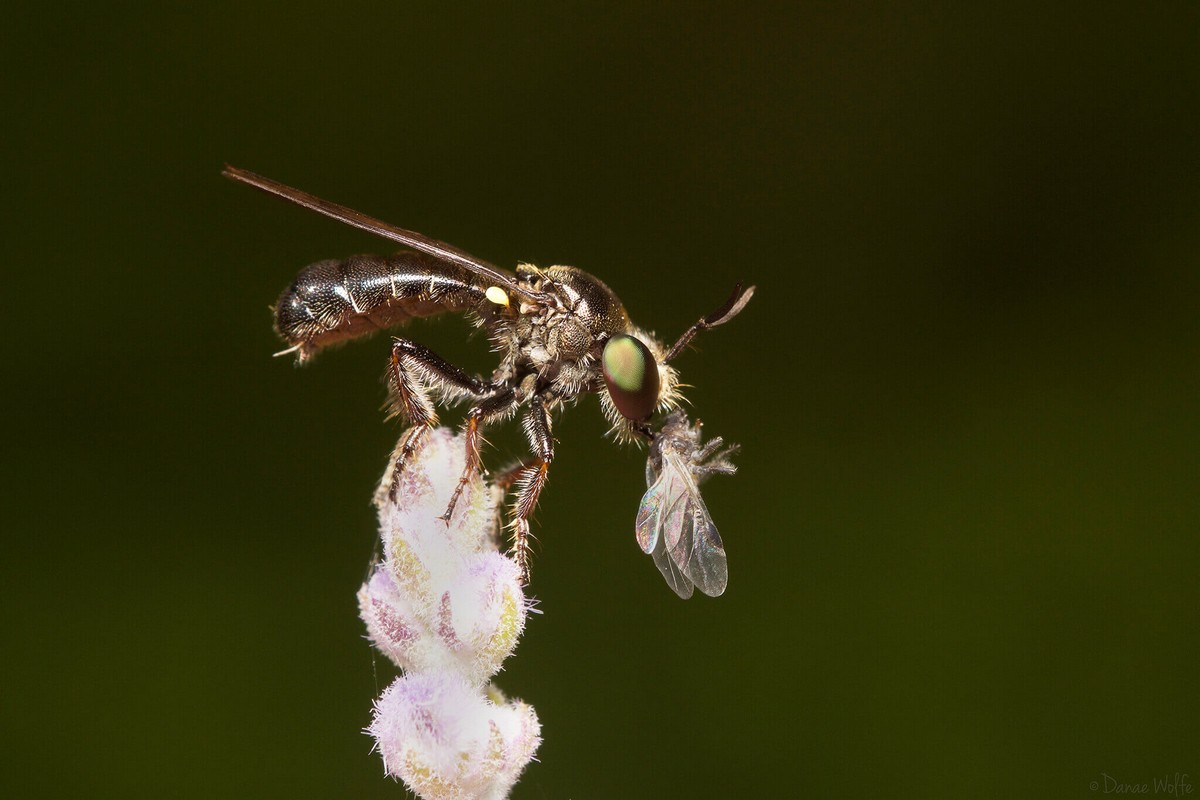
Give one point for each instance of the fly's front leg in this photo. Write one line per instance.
(733, 306)
(490, 409)
(530, 480)
(415, 369)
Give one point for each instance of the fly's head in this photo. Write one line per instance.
(637, 380)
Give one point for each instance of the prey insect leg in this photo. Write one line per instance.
(412, 372)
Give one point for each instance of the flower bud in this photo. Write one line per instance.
(446, 739)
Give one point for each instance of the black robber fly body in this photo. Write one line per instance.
(560, 333)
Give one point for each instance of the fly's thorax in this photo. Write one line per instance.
(560, 340)
(591, 314)
(595, 306)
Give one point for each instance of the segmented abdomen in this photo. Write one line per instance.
(337, 300)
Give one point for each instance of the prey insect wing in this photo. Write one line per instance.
(679, 583)
(706, 565)
(674, 526)
(662, 503)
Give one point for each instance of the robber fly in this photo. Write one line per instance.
(559, 331)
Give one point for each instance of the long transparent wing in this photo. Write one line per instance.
(415, 240)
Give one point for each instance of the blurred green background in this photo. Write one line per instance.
(963, 541)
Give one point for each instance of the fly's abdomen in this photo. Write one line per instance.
(337, 300)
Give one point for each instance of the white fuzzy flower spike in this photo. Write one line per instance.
(447, 607)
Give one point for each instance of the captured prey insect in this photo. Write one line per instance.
(673, 524)
(560, 333)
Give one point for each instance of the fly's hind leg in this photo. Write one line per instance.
(412, 372)
(500, 483)
(530, 478)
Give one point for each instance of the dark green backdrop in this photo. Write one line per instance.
(963, 541)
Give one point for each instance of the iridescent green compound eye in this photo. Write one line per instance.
(631, 375)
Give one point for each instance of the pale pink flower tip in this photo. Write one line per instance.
(445, 739)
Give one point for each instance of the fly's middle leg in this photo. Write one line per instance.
(490, 409)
